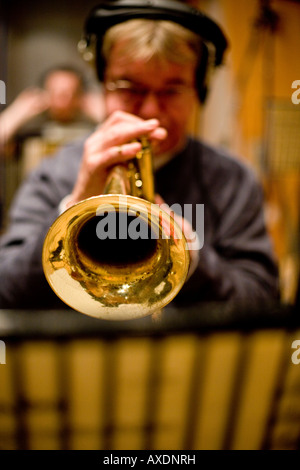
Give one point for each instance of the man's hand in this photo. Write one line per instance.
(28, 104)
(112, 143)
(188, 232)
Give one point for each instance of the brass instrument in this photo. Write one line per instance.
(131, 272)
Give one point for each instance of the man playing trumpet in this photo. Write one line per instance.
(154, 59)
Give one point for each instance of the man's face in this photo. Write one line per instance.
(64, 91)
(154, 89)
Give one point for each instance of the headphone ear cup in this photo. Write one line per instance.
(100, 63)
(201, 74)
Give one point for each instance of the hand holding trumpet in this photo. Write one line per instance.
(112, 143)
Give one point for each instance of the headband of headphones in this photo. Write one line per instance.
(109, 13)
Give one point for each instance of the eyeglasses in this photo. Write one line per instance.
(131, 92)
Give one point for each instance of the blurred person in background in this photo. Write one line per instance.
(41, 119)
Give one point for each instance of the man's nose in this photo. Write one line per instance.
(150, 106)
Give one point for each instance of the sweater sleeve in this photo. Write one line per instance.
(23, 284)
(236, 263)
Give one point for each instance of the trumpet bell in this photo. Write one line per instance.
(115, 257)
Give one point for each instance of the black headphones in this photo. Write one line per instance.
(111, 12)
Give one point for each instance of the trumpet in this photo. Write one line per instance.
(117, 256)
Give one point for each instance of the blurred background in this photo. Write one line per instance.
(249, 109)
